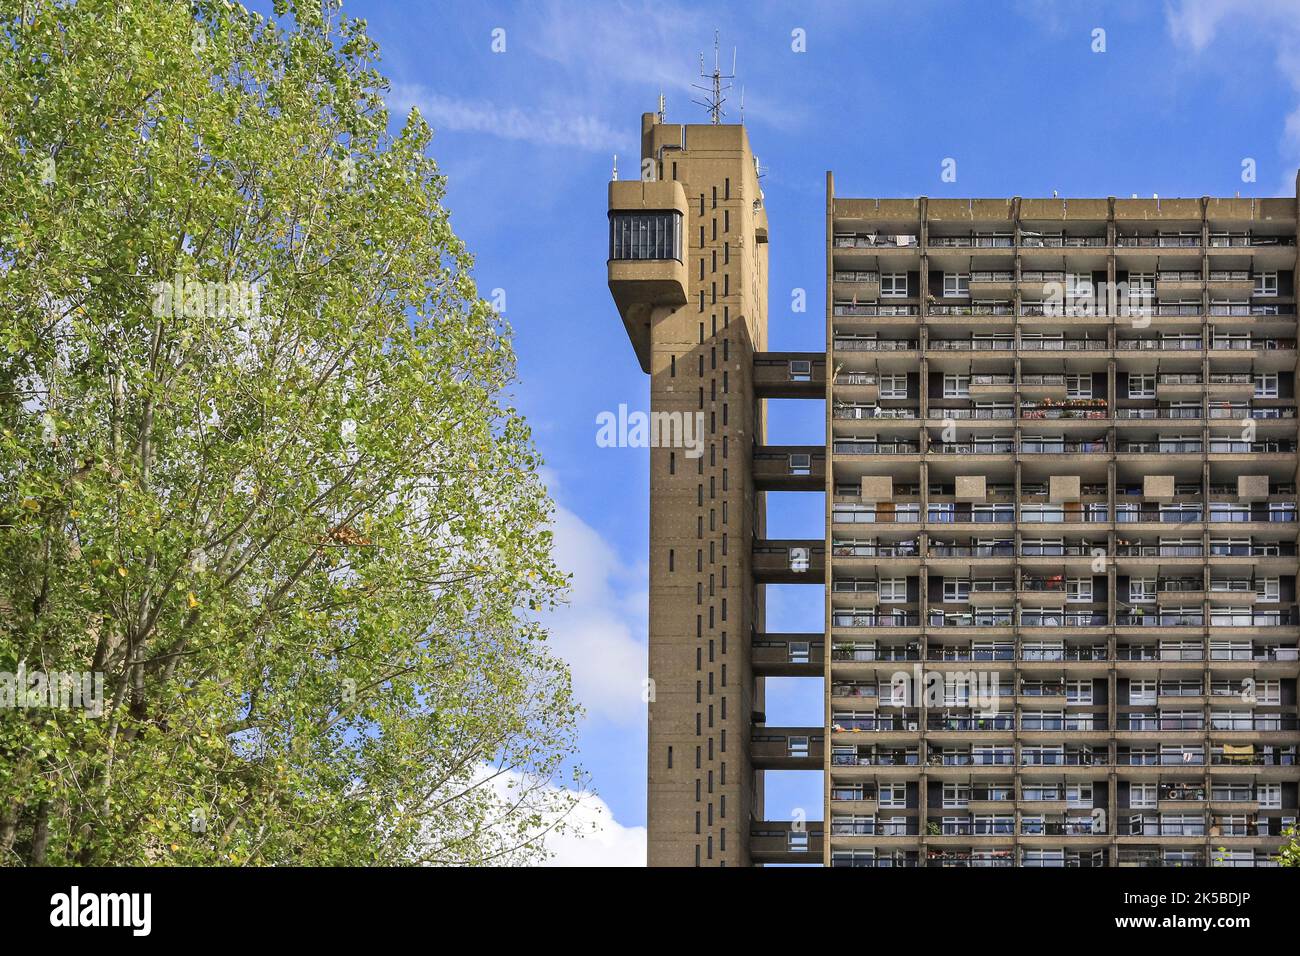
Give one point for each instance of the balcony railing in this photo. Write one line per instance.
(1138, 619)
(872, 310)
(876, 448)
(1143, 722)
(1068, 758)
(1257, 654)
(1158, 242)
(895, 549)
(970, 242)
(1062, 619)
(972, 551)
(909, 759)
(1282, 618)
(997, 722)
(877, 345)
(973, 309)
(1251, 309)
(1159, 345)
(870, 619)
(1272, 722)
(1063, 654)
(1035, 241)
(971, 345)
(872, 240)
(1156, 858)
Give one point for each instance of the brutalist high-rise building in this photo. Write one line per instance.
(1059, 556)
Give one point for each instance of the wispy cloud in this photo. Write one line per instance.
(1272, 24)
(542, 127)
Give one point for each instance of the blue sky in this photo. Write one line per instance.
(885, 92)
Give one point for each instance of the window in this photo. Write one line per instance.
(893, 285)
(893, 386)
(1142, 386)
(653, 235)
(1078, 590)
(1141, 287)
(1078, 386)
(1268, 589)
(958, 283)
(956, 796)
(956, 590)
(1078, 691)
(893, 590)
(893, 796)
(1142, 692)
(1266, 385)
(956, 386)
(1265, 284)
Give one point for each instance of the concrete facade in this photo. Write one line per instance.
(1060, 542)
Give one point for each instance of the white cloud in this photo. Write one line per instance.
(550, 127)
(584, 833)
(601, 633)
(606, 841)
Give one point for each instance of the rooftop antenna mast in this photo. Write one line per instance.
(717, 87)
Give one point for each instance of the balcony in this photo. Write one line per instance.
(875, 447)
(875, 241)
(972, 310)
(857, 284)
(869, 755)
(1139, 618)
(873, 310)
(992, 285)
(901, 722)
(847, 652)
(1265, 723)
(1131, 856)
(1079, 409)
(885, 618)
(1037, 240)
(971, 724)
(1177, 241)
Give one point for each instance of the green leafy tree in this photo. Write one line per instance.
(257, 468)
(1289, 853)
